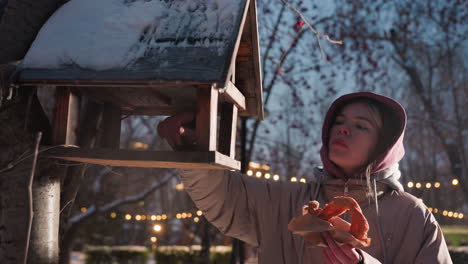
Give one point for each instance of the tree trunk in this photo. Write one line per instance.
(13, 211)
(237, 255)
(22, 118)
(44, 242)
(66, 243)
(206, 243)
(452, 150)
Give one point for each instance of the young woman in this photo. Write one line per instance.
(362, 144)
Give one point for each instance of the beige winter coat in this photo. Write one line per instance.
(258, 212)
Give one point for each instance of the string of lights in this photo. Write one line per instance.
(160, 217)
(410, 184)
(428, 185)
(449, 214)
(196, 215)
(262, 172)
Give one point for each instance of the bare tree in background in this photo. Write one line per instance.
(416, 51)
(296, 78)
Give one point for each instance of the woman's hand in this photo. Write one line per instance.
(336, 254)
(173, 130)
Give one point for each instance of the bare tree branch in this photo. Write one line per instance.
(318, 35)
(94, 209)
(99, 177)
(269, 88)
(30, 196)
(12, 164)
(272, 39)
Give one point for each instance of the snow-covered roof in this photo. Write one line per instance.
(144, 40)
(136, 35)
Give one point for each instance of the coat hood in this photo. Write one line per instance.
(391, 149)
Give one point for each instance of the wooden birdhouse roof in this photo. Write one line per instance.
(148, 57)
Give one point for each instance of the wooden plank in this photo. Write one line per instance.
(232, 94)
(146, 159)
(257, 69)
(133, 98)
(228, 129)
(161, 111)
(111, 126)
(233, 75)
(67, 109)
(137, 101)
(160, 96)
(233, 51)
(148, 96)
(245, 49)
(251, 100)
(207, 113)
(105, 97)
(248, 67)
(227, 161)
(245, 67)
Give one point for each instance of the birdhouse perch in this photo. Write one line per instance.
(150, 58)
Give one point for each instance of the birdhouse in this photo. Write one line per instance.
(151, 58)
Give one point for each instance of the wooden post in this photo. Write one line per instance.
(67, 109)
(111, 122)
(207, 113)
(228, 129)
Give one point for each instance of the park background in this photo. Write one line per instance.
(311, 53)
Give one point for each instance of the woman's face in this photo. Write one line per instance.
(353, 137)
